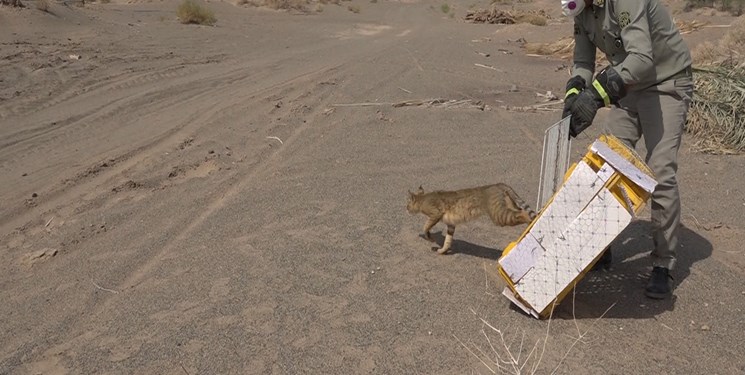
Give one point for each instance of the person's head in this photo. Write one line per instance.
(572, 8)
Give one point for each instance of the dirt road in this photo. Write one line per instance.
(230, 199)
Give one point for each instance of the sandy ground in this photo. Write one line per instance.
(192, 200)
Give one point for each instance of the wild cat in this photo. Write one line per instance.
(499, 201)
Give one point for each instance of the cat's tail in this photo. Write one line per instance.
(519, 202)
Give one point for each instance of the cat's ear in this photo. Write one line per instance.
(421, 189)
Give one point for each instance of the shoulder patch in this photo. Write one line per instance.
(624, 19)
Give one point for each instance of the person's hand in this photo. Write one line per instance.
(583, 110)
(575, 85)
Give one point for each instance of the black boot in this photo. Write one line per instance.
(604, 262)
(660, 284)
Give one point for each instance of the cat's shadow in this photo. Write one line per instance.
(463, 247)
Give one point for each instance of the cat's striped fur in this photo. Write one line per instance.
(499, 201)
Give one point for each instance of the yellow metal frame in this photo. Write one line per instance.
(617, 183)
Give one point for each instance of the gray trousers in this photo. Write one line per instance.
(659, 114)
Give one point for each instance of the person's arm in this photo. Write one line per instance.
(633, 19)
(584, 53)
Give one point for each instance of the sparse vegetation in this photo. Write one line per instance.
(445, 8)
(13, 3)
(286, 4)
(42, 5)
(734, 7)
(191, 12)
(717, 115)
(353, 8)
(494, 15)
(533, 19)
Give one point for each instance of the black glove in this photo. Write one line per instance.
(607, 88)
(584, 107)
(574, 86)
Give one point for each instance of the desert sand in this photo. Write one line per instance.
(230, 199)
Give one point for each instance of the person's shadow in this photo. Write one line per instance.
(622, 287)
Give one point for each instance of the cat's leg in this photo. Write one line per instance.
(448, 240)
(430, 223)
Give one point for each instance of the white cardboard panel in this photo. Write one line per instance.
(578, 190)
(624, 166)
(508, 293)
(580, 187)
(588, 235)
(522, 257)
(606, 172)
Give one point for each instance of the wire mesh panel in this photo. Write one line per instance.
(555, 160)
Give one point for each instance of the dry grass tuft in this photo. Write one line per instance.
(190, 12)
(717, 115)
(300, 5)
(687, 27)
(42, 5)
(12, 3)
(734, 7)
(494, 16)
(562, 49)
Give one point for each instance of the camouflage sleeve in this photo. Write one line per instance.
(633, 20)
(584, 53)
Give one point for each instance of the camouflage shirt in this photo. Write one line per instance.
(638, 37)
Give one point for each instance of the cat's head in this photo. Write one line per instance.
(412, 205)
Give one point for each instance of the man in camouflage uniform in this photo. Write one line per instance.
(648, 87)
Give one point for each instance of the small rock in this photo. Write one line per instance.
(705, 327)
(24, 175)
(372, 272)
(75, 57)
(377, 269)
(211, 152)
(513, 88)
(34, 195)
(430, 333)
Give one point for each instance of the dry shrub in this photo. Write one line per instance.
(562, 49)
(494, 16)
(717, 115)
(13, 3)
(686, 27)
(533, 19)
(353, 8)
(300, 5)
(191, 12)
(42, 5)
(734, 7)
